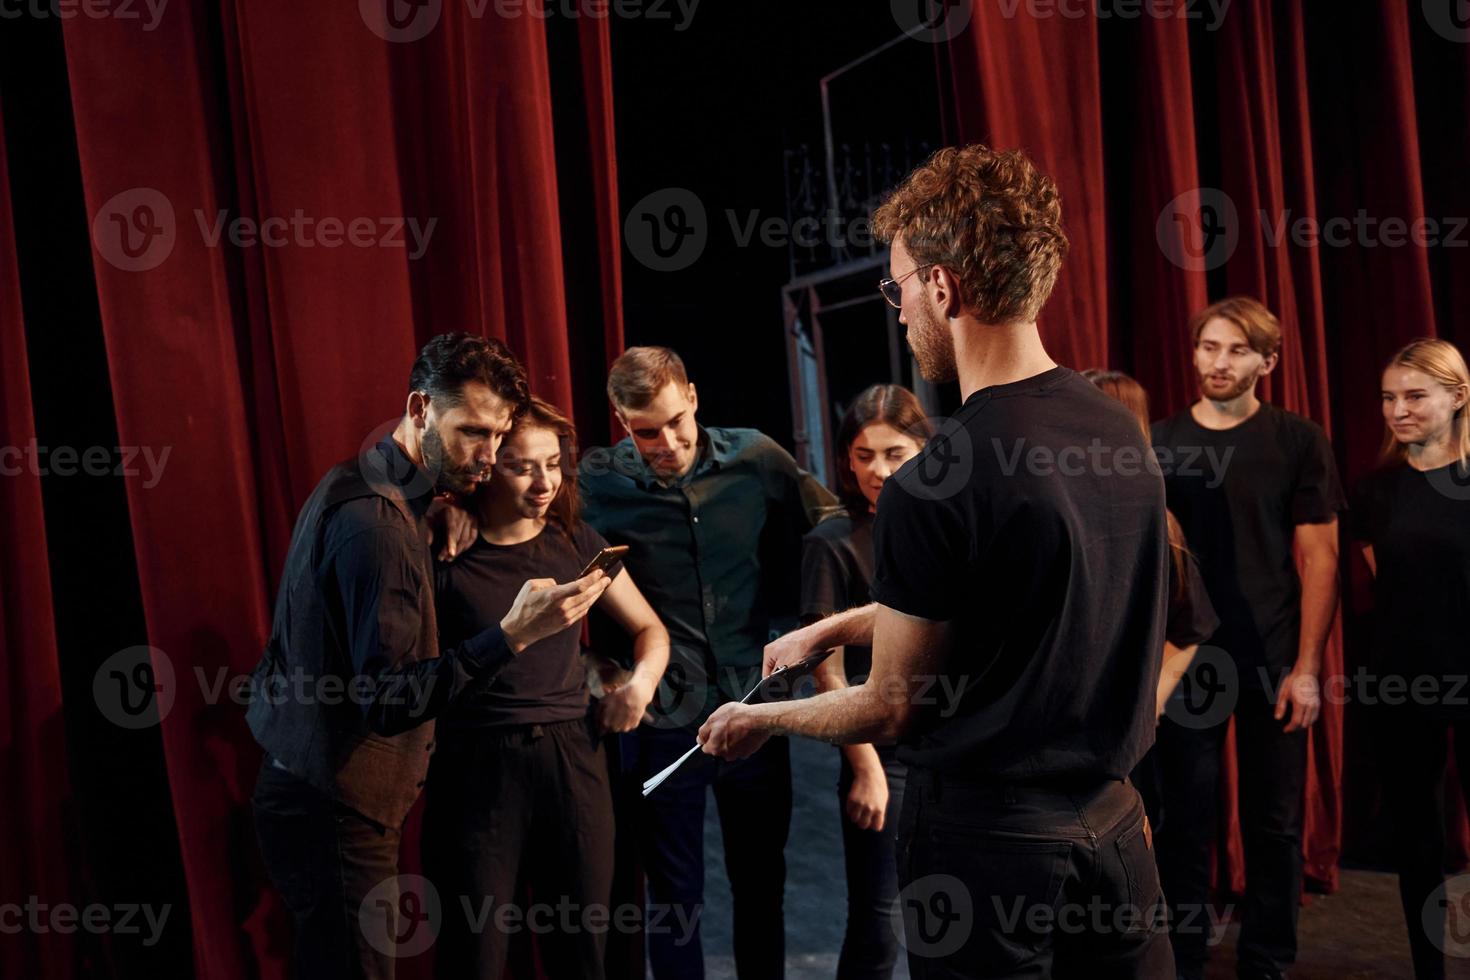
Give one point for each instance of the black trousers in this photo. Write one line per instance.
(324, 860)
(1273, 772)
(870, 945)
(518, 840)
(1013, 881)
(754, 799)
(1413, 756)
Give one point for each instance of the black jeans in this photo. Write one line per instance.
(512, 809)
(1273, 772)
(754, 800)
(324, 859)
(1028, 881)
(1413, 754)
(870, 945)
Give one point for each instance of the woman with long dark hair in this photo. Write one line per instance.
(883, 428)
(1413, 517)
(520, 768)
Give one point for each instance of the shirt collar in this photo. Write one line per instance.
(413, 483)
(715, 450)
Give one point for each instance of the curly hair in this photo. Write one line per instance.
(991, 218)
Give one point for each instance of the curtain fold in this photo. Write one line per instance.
(36, 817)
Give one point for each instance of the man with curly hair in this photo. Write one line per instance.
(1021, 570)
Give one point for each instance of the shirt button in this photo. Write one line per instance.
(696, 520)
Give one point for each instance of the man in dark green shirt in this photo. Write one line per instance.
(714, 518)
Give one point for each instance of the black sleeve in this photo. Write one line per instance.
(1360, 510)
(920, 553)
(793, 500)
(824, 582)
(382, 584)
(1318, 496)
(1191, 615)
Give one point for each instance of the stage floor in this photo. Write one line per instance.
(1356, 933)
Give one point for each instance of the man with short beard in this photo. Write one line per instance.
(1250, 484)
(352, 674)
(1018, 627)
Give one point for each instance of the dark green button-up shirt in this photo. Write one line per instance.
(717, 553)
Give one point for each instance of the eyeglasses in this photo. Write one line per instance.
(892, 289)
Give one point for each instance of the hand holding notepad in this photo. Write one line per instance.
(777, 687)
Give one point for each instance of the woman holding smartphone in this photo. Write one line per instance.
(520, 768)
(884, 428)
(1413, 518)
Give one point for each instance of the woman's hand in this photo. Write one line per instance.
(867, 798)
(625, 706)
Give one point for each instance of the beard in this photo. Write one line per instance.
(448, 478)
(1240, 387)
(932, 344)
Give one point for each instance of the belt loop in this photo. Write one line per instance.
(536, 732)
(1009, 794)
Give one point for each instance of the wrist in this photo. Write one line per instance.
(515, 641)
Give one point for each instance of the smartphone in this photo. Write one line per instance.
(604, 559)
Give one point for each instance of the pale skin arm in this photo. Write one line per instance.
(906, 651)
(626, 705)
(852, 627)
(1176, 664)
(1300, 692)
(1372, 561)
(867, 798)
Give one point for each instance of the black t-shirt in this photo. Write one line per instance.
(1191, 618)
(1239, 495)
(546, 682)
(1419, 526)
(836, 570)
(1035, 521)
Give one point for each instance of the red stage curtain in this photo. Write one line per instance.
(35, 820)
(260, 366)
(1286, 114)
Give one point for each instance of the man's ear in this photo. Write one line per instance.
(693, 398)
(622, 420)
(418, 408)
(947, 293)
(1270, 363)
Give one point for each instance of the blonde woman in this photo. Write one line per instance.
(1412, 517)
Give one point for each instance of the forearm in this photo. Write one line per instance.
(851, 627)
(650, 655)
(849, 716)
(831, 676)
(408, 694)
(1319, 606)
(1176, 662)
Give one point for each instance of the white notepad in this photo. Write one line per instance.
(776, 687)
